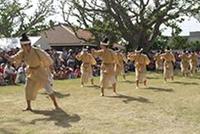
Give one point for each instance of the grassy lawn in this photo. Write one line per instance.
(162, 108)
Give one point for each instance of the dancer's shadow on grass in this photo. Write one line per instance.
(194, 77)
(184, 83)
(60, 117)
(58, 94)
(150, 77)
(160, 89)
(127, 99)
(127, 81)
(92, 86)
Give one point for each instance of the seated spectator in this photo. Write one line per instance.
(2, 81)
(61, 73)
(131, 66)
(96, 71)
(71, 62)
(126, 68)
(21, 74)
(69, 73)
(9, 74)
(77, 72)
(2, 66)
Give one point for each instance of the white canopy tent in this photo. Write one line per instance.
(8, 43)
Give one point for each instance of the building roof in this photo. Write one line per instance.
(64, 36)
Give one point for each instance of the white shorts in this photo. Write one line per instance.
(49, 86)
(49, 89)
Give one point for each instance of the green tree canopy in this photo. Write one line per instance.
(14, 19)
(137, 21)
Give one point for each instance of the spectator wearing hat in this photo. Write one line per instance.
(169, 61)
(86, 66)
(38, 72)
(184, 63)
(107, 76)
(193, 62)
(141, 61)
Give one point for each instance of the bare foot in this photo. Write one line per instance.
(57, 108)
(101, 94)
(27, 109)
(115, 93)
(137, 87)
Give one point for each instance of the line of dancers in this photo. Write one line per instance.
(113, 60)
(40, 67)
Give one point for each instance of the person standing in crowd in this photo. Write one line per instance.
(38, 65)
(2, 80)
(119, 67)
(184, 63)
(169, 61)
(10, 73)
(141, 61)
(108, 57)
(21, 74)
(193, 62)
(86, 66)
(158, 61)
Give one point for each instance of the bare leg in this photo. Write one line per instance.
(137, 84)
(145, 83)
(92, 81)
(53, 98)
(165, 79)
(191, 73)
(114, 88)
(102, 91)
(82, 84)
(124, 76)
(28, 106)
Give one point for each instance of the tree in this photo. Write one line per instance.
(136, 21)
(194, 46)
(178, 42)
(160, 43)
(14, 20)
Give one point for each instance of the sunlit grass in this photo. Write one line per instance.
(162, 108)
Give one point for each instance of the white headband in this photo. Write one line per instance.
(139, 51)
(25, 42)
(104, 44)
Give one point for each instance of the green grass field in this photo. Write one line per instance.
(162, 108)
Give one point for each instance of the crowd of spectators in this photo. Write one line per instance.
(65, 64)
